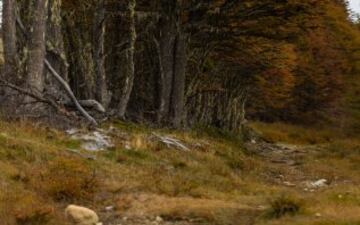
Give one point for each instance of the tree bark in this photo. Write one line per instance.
(37, 46)
(130, 65)
(79, 50)
(172, 63)
(9, 38)
(55, 49)
(99, 61)
(178, 85)
(166, 61)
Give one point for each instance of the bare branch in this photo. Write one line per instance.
(61, 81)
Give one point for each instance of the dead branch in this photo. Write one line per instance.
(91, 103)
(70, 93)
(171, 142)
(31, 94)
(61, 81)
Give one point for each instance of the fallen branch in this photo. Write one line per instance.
(70, 93)
(88, 104)
(31, 94)
(171, 142)
(61, 80)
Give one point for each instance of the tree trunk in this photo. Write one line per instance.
(37, 46)
(178, 85)
(9, 39)
(166, 61)
(55, 49)
(172, 63)
(79, 50)
(99, 61)
(130, 65)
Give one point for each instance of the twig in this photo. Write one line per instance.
(30, 94)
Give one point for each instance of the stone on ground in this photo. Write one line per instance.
(79, 215)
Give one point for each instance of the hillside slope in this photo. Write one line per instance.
(143, 181)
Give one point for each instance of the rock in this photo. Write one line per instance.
(318, 215)
(79, 215)
(318, 184)
(92, 141)
(72, 131)
(127, 146)
(109, 208)
(159, 219)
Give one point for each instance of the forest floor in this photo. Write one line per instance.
(312, 179)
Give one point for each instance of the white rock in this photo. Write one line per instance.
(93, 141)
(159, 219)
(127, 147)
(318, 215)
(319, 183)
(109, 208)
(79, 215)
(72, 131)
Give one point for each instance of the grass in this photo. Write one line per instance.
(284, 205)
(293, 134)
(215, 183)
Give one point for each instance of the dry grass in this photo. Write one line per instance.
(286, 133)
(216, 182)
(180, 208)
(36, 171)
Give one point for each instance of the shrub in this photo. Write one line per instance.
(69, 179)
(37, 216)
(21, 207)
(284, 205)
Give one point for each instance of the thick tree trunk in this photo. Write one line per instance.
(130, 64)
(55, 50)
(178, 84)
(79, 50)
(99, 61)
(9, 39)
(166, 59)
(37, 46)
(172, 62)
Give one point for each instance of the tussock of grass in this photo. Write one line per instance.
(284, 205)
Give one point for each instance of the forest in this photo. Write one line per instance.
(181, 63)
(179, 112)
